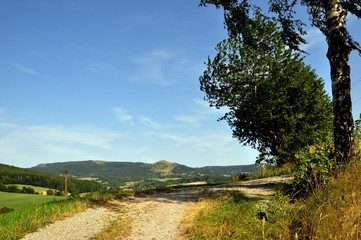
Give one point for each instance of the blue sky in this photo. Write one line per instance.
(118, 81)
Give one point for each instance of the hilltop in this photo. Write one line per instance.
(121, 173)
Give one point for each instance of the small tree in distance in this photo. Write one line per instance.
(276, 103)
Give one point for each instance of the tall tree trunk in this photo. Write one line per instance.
(338, 54)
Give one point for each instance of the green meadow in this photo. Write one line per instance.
(32, 211)
(19, 201)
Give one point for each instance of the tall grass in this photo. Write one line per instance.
(333, 212)
(16, 224)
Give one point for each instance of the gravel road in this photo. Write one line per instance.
(81, 226)
(157, 217)
(153, 217)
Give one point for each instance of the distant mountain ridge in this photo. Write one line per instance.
(119, 172)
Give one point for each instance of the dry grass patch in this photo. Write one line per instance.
(188, 218)
(116, 230)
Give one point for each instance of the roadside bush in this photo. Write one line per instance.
(239, 177)
(316, 166)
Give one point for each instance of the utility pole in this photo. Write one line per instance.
(66, 183)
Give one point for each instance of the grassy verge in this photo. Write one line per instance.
(234, 216)
(330, 212)
(333, 212)
(16, 224)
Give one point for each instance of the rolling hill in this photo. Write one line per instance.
(120, 173)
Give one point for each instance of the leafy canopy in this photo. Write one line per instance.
(276, 103)
(239, 13)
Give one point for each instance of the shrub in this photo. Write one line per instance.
(28, 190)
(314, 169)
(49, 192)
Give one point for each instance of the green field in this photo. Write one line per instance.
(20, 201)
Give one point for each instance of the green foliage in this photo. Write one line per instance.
(330, 18)
(16, 189)
(271, 170)
(276, 103)
(28, 190)
(49, 192)
(315, 167)
(238, 14)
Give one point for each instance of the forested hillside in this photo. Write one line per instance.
(15, 175)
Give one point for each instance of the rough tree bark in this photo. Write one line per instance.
(338, 54)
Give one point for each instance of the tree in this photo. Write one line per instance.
(330, 17)
(276, 103)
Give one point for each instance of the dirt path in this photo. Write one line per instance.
(153, 217)
(158, 216)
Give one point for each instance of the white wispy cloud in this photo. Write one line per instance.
(193, 119)
(160, 66)
(203, 147)
(44, 143)
(148, 122)
(41, 135)
(123, 115)
(37, 53)
(200, 112)
(178, 139)
(27, 70)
